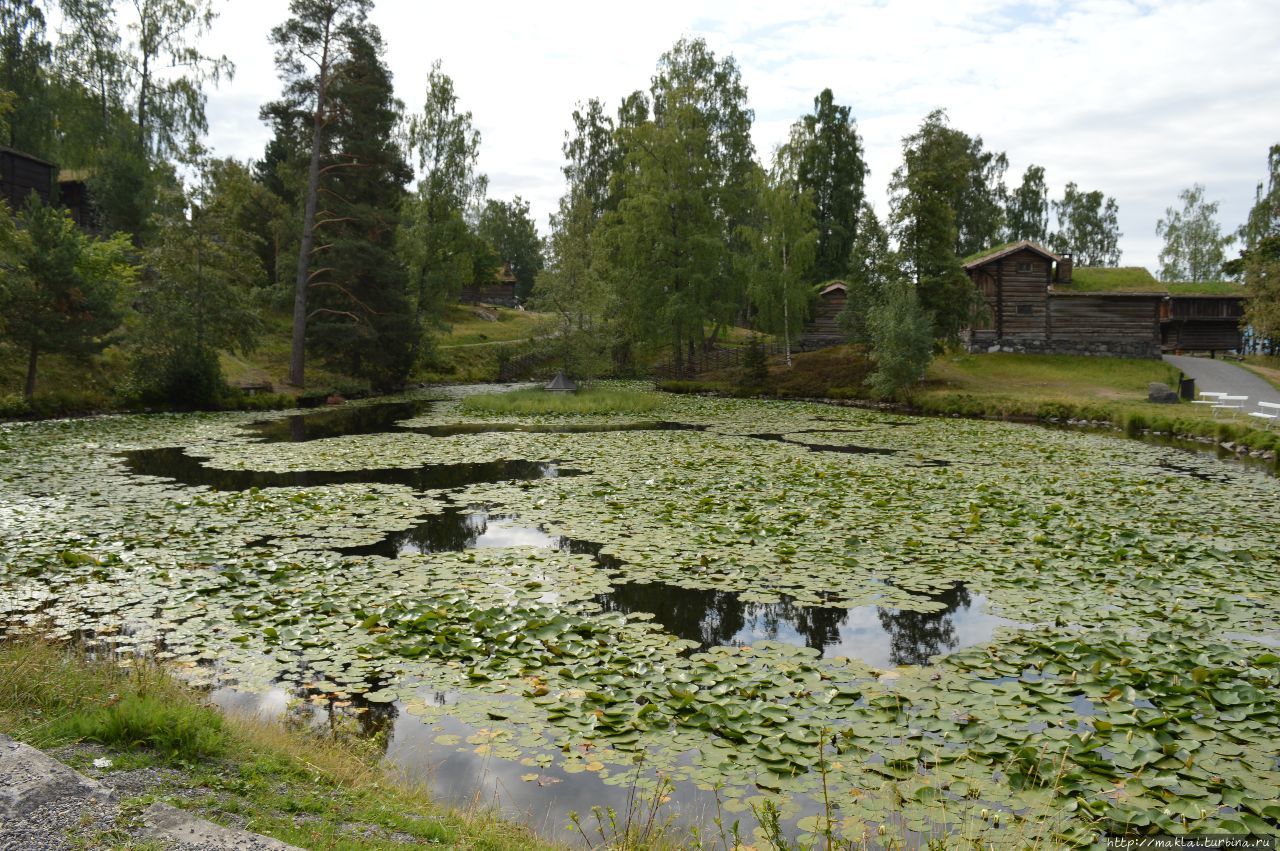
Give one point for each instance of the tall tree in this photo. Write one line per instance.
(901, 333)
(62, 292)
(1194, 245)
(873, 266)
(314, 40)
(168, 73)
(89, 53)
(438, 244)
(25, 57)
(361, 313)
(946, 201)
(195, 298)
(1088, 227)
(685, 189)
(592, 157)
(784, 244)
(511, 231)
(826, 155)
(1259, 261)
(1027, 210)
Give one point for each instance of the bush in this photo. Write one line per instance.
(901, 335)
(755, 363)
(189, 378)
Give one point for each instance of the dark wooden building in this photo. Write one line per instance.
(824, 328)
(1201, 323)
(73, 193)
(1028, 309)
(22, 174)
(501, 290)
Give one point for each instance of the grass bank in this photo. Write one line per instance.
(310, 790)
(589, 400)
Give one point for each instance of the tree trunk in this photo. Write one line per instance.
(297, 356)
(31, 371)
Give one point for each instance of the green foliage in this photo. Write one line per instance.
(1027, 208)
(179, 731)
(684, 190)
(1088, 227)
(946, 202)
(591, 400)
(511, 231)
(25, 56)
(360, 317)
(1259, 262)
(901, 334)
(872, 266)
(1194, 245)
(62, 291)
(186, 377)
(783, 241)
(824, 157)
(755, 363)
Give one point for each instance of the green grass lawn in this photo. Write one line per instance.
(1038, 378)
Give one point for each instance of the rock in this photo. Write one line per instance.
(335, 399)
(184, 830)
(1161, 393)
(30, 779)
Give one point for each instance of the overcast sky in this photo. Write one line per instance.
(1139, 99)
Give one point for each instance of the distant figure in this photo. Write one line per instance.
(561, 382)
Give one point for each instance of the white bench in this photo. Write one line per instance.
(1230, 403)
(1208, 398)
(1269, 411)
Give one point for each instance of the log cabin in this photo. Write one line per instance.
(21, 175)
(823, 329)
(501, 290)
(1036, 301)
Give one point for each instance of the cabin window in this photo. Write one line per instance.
(1026, 268)
(1024, 310)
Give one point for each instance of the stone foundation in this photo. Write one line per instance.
(1095, 348)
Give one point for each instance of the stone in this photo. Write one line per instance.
(30, 779)
(1161, 393)
(184, 830)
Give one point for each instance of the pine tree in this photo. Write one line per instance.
(360, 312)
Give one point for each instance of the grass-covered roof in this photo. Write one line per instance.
(1137, 279)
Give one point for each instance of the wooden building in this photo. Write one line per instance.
(501, 290)
(22, 174)
(1031, 308)
(824, 328)
(1192, 322)
(73, 193)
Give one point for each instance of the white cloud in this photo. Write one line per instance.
(1138, 99)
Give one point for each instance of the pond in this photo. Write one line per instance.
(935, 621)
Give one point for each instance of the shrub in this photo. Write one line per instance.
(901, 335)
(187, 377)
(755, 363)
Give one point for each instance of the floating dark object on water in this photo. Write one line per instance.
(561, 382)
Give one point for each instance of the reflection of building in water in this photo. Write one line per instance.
(916, 636)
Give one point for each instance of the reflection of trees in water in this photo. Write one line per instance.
(715, 618)
(453, 530)
(916, 636)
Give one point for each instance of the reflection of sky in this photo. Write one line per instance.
(863, 636)
(501, 532)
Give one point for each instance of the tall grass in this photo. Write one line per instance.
(592, 400)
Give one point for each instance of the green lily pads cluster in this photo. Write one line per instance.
(1141, 693)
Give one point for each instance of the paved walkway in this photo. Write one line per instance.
(1225, 377)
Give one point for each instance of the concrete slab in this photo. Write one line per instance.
(184, 830)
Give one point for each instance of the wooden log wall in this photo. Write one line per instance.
(20, 176)
(496, 293)
(1016, 290)
(1087, 318)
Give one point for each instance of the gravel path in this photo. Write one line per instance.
(1224, 377)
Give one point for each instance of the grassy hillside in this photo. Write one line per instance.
(466, 350)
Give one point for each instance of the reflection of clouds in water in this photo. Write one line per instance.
(463, 777)
(266, 705)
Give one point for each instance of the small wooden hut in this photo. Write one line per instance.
(824, 328)
(501, 290)
(22, 174)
